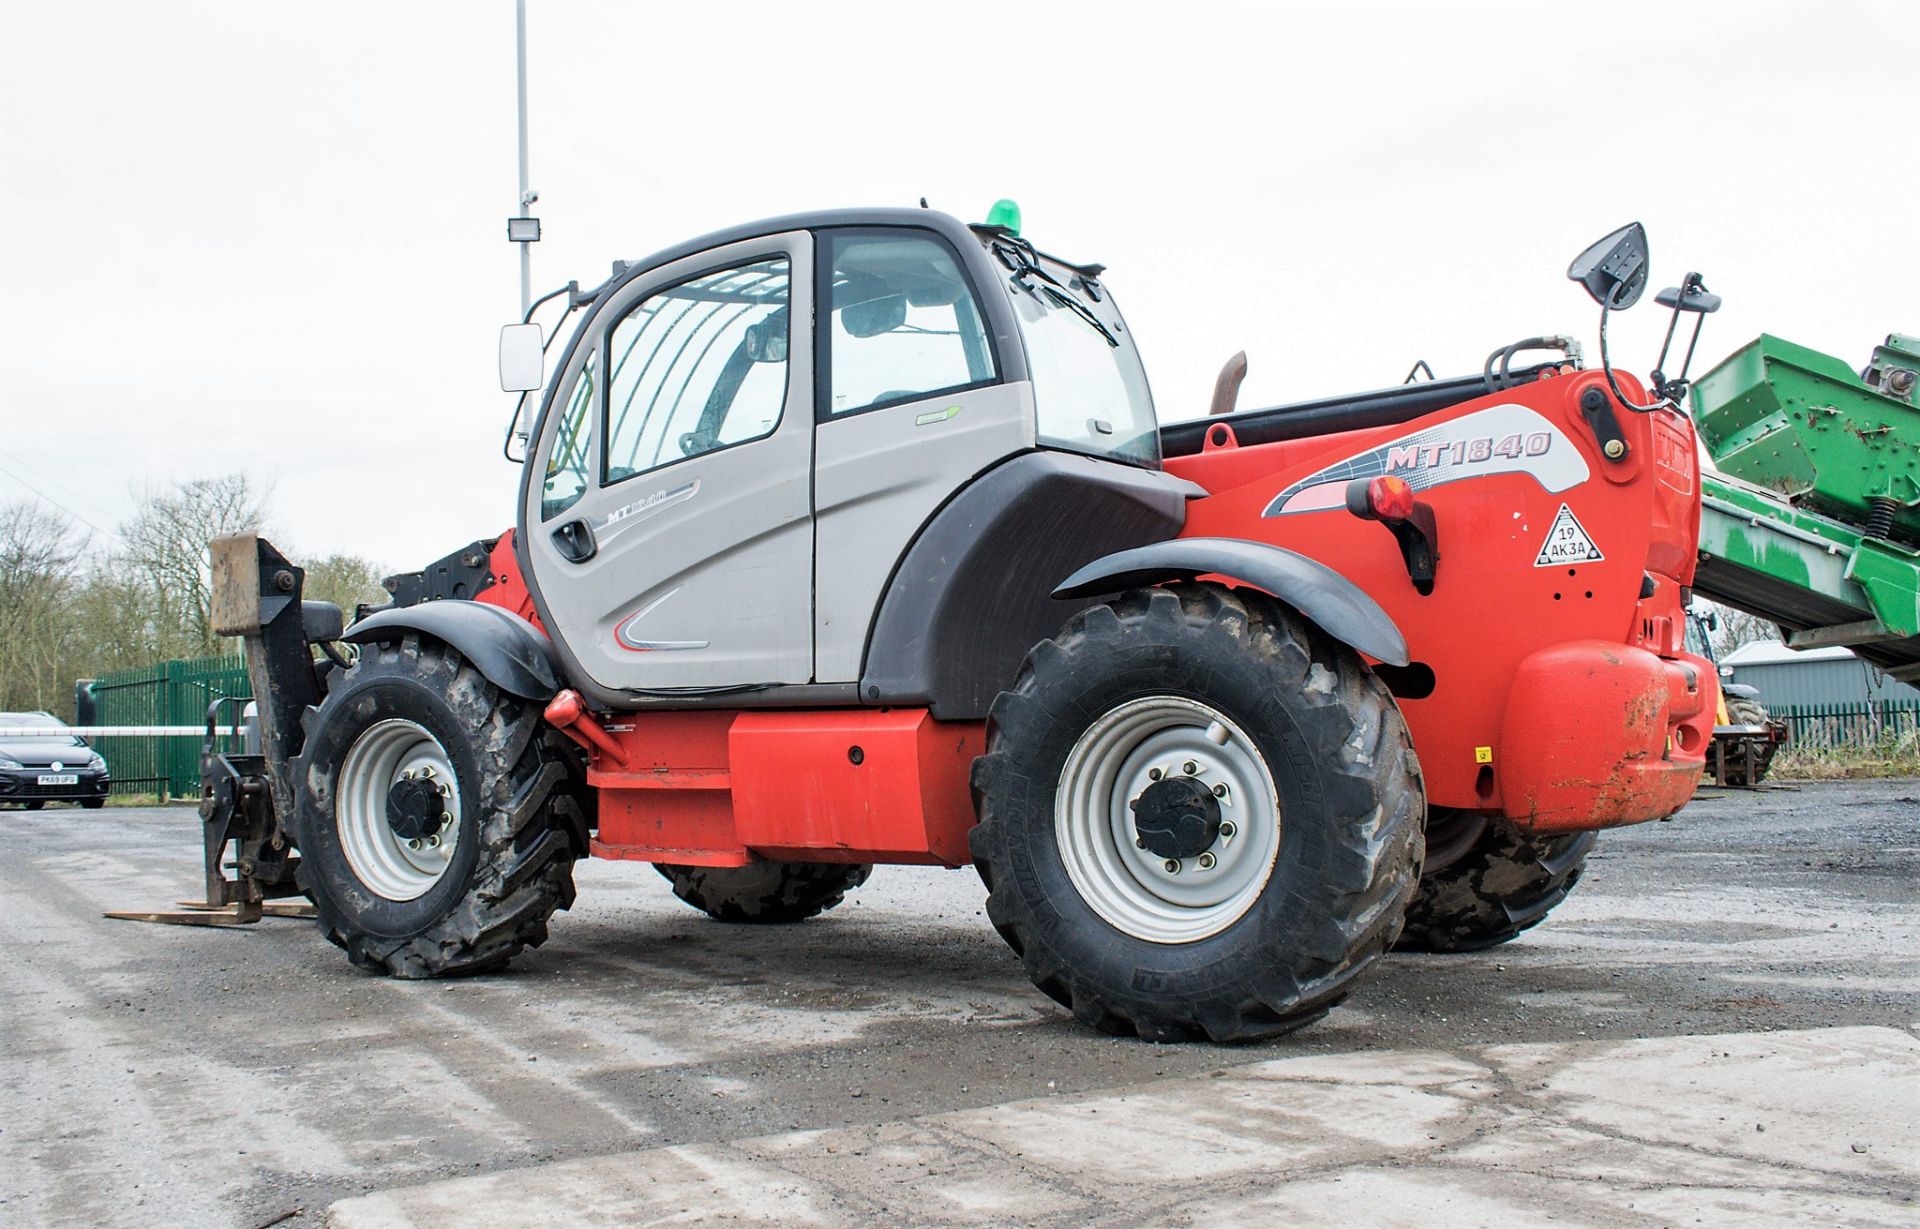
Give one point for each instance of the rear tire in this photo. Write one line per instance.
(1487, 881)
(768, 892)
(93, 804)
(1744, 711)
(1116, 903)
(36, 805)
(405, 720)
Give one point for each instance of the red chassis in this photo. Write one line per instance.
(1547, 682)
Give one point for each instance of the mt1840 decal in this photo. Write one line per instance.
(1502, 439)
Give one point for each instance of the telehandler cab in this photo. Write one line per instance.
(851, 537)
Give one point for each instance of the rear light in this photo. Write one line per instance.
(1390, 498)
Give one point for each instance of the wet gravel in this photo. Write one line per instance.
(155, 1075)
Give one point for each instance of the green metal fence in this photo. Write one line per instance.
(172, 693)
(1863, 725)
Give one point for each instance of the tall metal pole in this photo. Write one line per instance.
(526, 195)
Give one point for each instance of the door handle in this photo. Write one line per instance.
(574, 541)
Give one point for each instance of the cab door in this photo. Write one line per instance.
(668, 524)
(914, 403)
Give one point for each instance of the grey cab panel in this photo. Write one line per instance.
(669, 516)
(968, 600)
(878, 478)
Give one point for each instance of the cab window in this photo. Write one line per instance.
(904, 322)
(566, 476)
(696, 367)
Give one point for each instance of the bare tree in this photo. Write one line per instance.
(40, 552)
(165, 552)
(346, 581)
(1732, 628)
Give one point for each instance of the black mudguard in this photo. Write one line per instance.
(969, 598)
(1341, 608)
(510, 652)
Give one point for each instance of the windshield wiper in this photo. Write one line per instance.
(1019, 257)
(1084, 312)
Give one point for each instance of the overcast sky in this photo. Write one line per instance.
(270, 236)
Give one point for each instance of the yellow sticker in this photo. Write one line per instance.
(1483, 755)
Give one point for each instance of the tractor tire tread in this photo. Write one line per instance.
(767, 892)
(1350, 723)
(1507, 882)
(1743, 710)
(528, 823)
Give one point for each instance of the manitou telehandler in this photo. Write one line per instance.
(851, 537)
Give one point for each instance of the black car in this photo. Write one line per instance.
(56, 766)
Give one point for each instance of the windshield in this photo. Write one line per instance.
(1088, 385)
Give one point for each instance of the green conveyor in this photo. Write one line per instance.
(1814, 518)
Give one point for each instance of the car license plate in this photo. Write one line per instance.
(59, 778)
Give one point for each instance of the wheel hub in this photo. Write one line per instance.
(415, 806)
(1176, 817)
(397, 808)
(1167, 818)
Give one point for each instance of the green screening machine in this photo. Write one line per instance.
(1813, 520)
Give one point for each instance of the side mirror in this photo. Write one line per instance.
(1614, 270)
(1691, 297)
(523, 359)
(874, 317)
(766, 341)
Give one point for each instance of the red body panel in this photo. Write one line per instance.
(720, 788)
(509, 587)
(1560, 696)
(1559, 693)
(846, 786)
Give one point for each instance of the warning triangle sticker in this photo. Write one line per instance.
(1567, 542)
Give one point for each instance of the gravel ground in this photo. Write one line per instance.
(159, 1075)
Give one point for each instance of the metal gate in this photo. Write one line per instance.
(173, 693)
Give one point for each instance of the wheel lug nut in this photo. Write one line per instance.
(1207, 861)
(433, 842)
(1154, 774)
(1220, 791)
(1227, 828)
(446, 817)
(1190, 768)
(413, 844)
(1173, 866)
(1139, 842)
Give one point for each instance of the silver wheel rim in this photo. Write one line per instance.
(1132, 888)
(386, 753)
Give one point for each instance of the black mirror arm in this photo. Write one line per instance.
(1690, 296)
(1606, 368)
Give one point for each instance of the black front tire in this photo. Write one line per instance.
(36, 805)
(1345, 858)
(93, 804)
(1487, 881)
(768, 892)
(521, 821)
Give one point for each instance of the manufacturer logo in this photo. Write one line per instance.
(56, 765)
(1502, 439)
(625, 517)
(1567, 542)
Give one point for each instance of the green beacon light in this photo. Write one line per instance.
(1004, 213)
